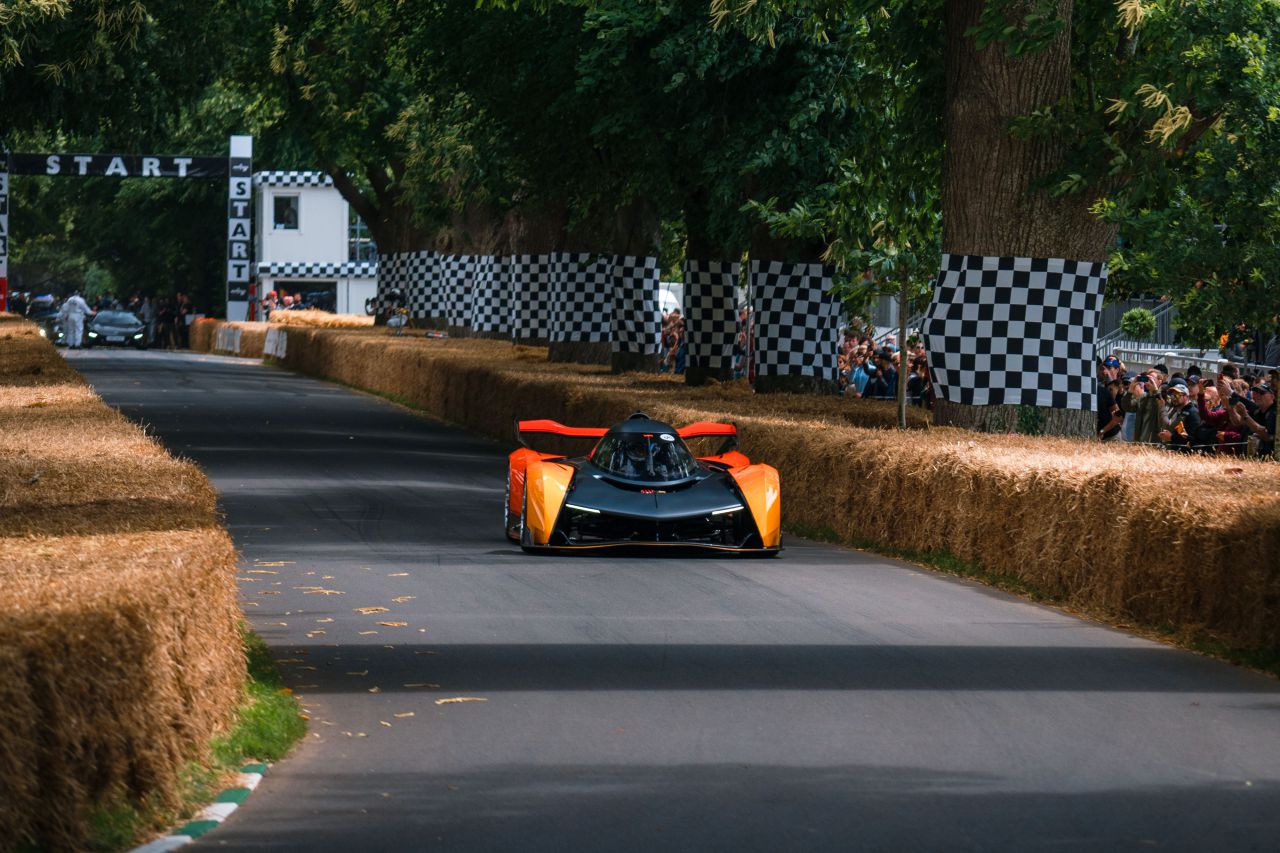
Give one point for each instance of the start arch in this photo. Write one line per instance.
(237, 168)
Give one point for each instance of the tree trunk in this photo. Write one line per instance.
(633, 362)
(580, 352)
(701, 246)
(1029, 420)
(388, 217)
(637, 232)
(989, 206)
(766, 247)
(794, 384)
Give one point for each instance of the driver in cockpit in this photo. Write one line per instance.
(637, 461)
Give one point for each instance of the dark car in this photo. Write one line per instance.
(49, 322)
(641, 487)
(117, 329)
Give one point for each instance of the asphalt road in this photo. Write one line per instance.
(824, 700)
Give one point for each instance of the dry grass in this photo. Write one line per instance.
(1129, 534)
(119, 650)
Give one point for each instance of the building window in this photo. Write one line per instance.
(360, 244)
(286, 213)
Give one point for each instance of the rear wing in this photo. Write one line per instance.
(701, 429)
(704, 428)
(547, 427)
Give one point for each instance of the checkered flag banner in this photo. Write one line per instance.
(1015, 331)
(582, 309)
(531, 282)
(797, 321)
(711, 318)
(637, 316)
(416, 275)
(292, 179)
(457, 279)
(491, 297)
(351, 269)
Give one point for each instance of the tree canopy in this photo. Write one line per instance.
(712, 130)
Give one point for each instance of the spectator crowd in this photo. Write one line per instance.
(1229, 413)
(865, 369)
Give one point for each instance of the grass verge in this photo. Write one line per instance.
(1266, 661)
(268, 724)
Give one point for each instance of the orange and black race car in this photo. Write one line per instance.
(641, 486)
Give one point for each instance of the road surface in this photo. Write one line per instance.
(826, 700)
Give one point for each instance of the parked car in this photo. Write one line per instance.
(46, 317)
(118, 329)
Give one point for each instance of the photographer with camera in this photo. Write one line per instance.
(1142, 398)
(1184, 419)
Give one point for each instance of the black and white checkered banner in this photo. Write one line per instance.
(416, 276)
(292, 179)
(558, 297)
(1015, 331)
(457, 280)
(533, 291)
(582, 310)
(289, 269)
(637, 314)
(491, 300)
(797, 320)
(711, 312)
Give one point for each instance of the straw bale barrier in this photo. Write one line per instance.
(223, 338)
(1127, 534)
(246, 339)
(119, 646)
(321, 319)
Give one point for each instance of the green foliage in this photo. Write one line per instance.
(819, 121)
(1030, 420)
(269, 723)
(1171, 128)
(1138, 323)
(1021, 26)
(879, 212)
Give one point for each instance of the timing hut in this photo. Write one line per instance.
(310, 244)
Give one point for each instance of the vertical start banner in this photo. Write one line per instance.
(239, 227)
(4, 230)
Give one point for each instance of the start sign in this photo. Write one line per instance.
(237, 168)
(119, 166)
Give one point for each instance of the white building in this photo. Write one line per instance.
(310, 244)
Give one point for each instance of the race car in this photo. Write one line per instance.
(641, 487)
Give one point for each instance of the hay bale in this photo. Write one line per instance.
(119, 643)
(314, 318)
(1130, 534)
(201, 333)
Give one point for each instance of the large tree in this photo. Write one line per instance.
(1056, 116)
(116, 77)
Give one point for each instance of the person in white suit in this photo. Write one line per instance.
(73, 313)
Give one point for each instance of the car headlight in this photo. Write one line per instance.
(93, 334)
(137, 336)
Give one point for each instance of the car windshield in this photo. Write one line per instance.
(662, 457)
(117, 318)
